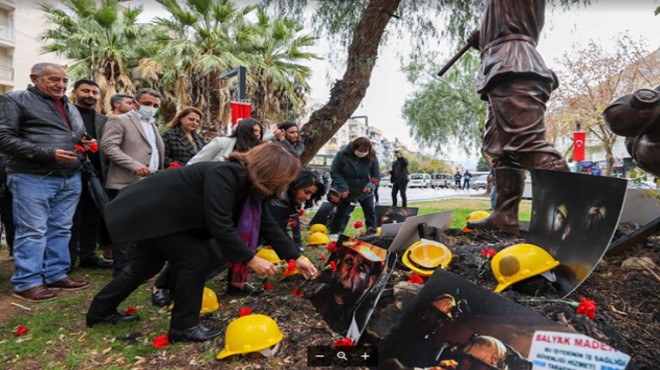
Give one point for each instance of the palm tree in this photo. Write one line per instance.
(278, 83)
(103, 42)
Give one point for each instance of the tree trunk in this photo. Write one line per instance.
(348, 92)
(213, 125)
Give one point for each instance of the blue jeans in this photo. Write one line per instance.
(43, 214)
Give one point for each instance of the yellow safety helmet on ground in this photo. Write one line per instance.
(379, 230)
(474, 216)
(209, 302)
(425, 255)
(318, 228)
(318, 238)
(269, 255)
(251, 333)
(519, 262)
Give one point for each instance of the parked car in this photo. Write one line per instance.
(479, 182)
(420, 180)
(385, 181)
(442, 180)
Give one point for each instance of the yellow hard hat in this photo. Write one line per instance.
(209, 302)
(318, 238)
(379, 230)
(269, 255)
(474, 216)
(519, 262)
(251, 333)
(318, 228)
(425, 255)
(295, 272)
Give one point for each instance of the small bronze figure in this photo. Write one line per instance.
(515, 81)
(637, 117)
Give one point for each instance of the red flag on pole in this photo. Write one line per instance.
(578, 145)
(238, 111)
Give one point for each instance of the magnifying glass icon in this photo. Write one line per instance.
(342, 356)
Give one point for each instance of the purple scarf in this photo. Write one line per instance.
(248, 227)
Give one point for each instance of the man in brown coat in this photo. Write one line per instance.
(134, 150)
(515, 81)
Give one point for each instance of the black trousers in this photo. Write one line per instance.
(121, 252)
(88, 228)
(166, 278)
(399, 187)
(7, 219)
(188, 253)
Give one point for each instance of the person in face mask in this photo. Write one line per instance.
(355, 175)
(134, 150)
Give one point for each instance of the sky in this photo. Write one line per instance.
(388, 90)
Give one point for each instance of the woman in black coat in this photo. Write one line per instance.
(172, 216)
(181, 139)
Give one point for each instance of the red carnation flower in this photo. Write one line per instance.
(244, 311)
(130, 311)
(161, 341)
(20, 330)
(290, 268)
(268, 285)
(415, 279)
(297, 292)
(293, 223)
(174, 164)
(358, 224)
(332, 247)
(301, 212)
(488, 253)
(79, 148)
(333, 266)
(322, 256)
(343, 343)
(586, 307)
(93, 147)
(374, 181)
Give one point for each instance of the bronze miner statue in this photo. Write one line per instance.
(637, 117)
(516, 83)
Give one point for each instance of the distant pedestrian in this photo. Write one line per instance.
(466, 179)
(457, 180)
(399, 178)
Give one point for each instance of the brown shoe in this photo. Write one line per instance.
(69, 284)
(36, 294)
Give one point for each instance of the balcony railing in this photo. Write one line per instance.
(6, 74)
(7, 34)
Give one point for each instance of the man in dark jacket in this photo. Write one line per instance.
(515, 81)
(399, 178)
(87, 226)
(38, 131)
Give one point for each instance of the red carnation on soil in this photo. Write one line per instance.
(415, 279)
(297, 292)
(268, 285)
(333, 266)
(174, 164)
(244, 311)
(79, 148)
(322, 256)
(332, 247)
(93, 147)
(586, 307)
(290, 268)
(292, 222)
(374, 181)
(161, 341)
(301, 212)
(20, 330)
(358, 224)
(488, 252)
(343, 343)
(130, 311)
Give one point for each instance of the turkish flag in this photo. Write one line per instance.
(578, 145)
(238, 111)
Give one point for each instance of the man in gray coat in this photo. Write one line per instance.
(38, 131)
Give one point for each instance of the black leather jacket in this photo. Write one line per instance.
(31, 128)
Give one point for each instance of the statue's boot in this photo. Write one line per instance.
(543, 161)
(510, 185)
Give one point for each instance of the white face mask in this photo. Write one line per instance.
(147, 111)
(360, 154)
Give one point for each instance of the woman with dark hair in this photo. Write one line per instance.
(220, 201)
(355, 174)
(303, 192)
(287, 135)
(247, 134)
(181, 139)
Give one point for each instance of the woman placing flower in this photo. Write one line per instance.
(209, 201)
